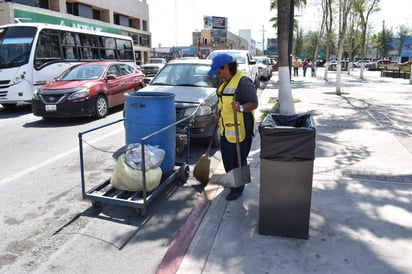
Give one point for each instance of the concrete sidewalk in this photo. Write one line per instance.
(361, 211)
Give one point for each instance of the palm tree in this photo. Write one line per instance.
(282, 24)
(286, 105)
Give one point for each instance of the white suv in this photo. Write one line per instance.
(152, 68)
(245, 60)
(264, 65)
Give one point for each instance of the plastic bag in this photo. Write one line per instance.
(153, 156)
(130, 179)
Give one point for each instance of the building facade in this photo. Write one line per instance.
(131, 18)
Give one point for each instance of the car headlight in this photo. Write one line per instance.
(84, 92)
(18, 80)
(203, 110)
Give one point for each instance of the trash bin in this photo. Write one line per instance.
(142, 117)
(286, 171)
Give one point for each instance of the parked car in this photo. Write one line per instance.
(189, 81)
(406, 63)
(366, 63)
(151, 68)
(275, 66)
(333, 65)
(264, 65)
(245, 60)
(87, 89)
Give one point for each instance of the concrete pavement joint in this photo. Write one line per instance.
(365, 174)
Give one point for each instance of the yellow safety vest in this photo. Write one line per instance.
(226, 92)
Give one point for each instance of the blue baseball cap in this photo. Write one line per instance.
(219, 61)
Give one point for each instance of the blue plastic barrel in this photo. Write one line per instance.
(148, 112)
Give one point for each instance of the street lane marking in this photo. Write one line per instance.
(51, 160)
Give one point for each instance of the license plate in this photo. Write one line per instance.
(51, 107)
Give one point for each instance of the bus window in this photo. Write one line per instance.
(88, 42)
(124, 49)
(47, 48)
(110, 46)
(69, 50)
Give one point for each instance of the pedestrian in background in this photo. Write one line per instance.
(313, 68)
(296, 65)
(236, 93)
(305, 65)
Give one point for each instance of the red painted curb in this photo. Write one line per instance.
(178, 247)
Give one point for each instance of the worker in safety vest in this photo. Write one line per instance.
(236, 93)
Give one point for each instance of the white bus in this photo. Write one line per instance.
(33, 54)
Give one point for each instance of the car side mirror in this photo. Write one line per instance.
(111, 77)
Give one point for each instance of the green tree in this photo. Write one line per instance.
(351, 46)
(327, 7)
(298, 48)
(345, 7)
(382, 41)
(403, 34)
(364, 8)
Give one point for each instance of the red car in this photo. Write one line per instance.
(87, 89)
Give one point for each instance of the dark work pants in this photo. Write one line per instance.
(229, 155)
(295, 71)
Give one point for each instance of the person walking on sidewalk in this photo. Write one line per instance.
(313, 68)
(305, 65)
(296, 65)
(236, 93)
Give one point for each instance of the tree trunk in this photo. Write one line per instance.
(327, 13)
(344, 9)
(286, 105)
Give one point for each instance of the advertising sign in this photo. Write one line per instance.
(214, 22)
(23, 16)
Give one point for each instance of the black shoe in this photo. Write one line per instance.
(233, 196)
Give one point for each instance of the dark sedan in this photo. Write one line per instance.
(192, 86)
(87, 89)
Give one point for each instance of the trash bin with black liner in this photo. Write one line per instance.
(287, 153)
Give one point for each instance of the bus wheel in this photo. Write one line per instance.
(101, 107)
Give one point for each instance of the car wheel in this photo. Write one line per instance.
(101, 107)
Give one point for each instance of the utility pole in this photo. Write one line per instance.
(263, 39)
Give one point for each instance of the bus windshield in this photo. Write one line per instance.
(15, 45)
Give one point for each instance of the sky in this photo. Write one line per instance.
(170, 17)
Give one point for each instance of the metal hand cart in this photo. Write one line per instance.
(105, 193)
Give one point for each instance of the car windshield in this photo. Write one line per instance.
(15, 45)
(262, 60)
(88, 72)
(182, 74)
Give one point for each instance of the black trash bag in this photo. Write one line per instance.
(287, 137)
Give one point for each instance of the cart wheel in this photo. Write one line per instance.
(140, 212)
(96, 204)
(184, 174)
